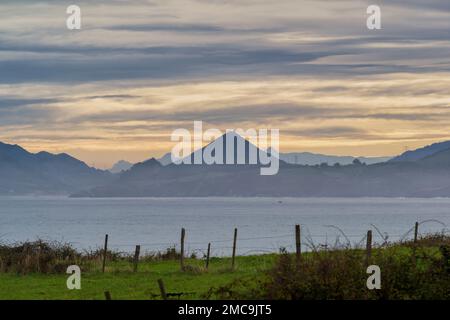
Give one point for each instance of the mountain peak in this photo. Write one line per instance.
(221, 145)
(152, 162)
(14, 152)
(120, 166)
(6, 146)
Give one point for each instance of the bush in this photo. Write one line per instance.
(419, 272)
(169, 254)
(54, 257)
(38, 256)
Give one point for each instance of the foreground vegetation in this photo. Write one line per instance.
(27, 272)
(408, 271)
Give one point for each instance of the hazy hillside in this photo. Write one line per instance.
(424, 152)
(439, 159)
(166, 159)
(23, 172)
(120, 166)
(311, 159)
(425, 178)
(308, 158)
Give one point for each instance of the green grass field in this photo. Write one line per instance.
(122, 283)
(419, 270)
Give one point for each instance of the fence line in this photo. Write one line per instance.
(296, 237)
(305, 241)
(169, 244)
(285, 241)
(243, 239)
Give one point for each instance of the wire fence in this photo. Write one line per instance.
(336, 238)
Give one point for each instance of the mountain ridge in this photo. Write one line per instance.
(312, 159)
(24, 172)
(425, 178)
(422, 152)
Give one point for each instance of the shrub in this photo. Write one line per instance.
(408, 272)
(38, 256)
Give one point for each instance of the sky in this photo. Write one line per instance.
(137, 70)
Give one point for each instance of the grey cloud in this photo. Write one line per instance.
(57, 137)
(192, 28)
(113, 96)
(26, 115)
(165, 62)
(255, 58)
(281, 112)
(404, 116)
(240, 59)
(227, 114)
(329, 132)
(213, 65)
(441, 5)
(357, 133)
(167, 27)
(331, 89)
(9, 103)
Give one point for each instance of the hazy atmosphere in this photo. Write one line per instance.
(225, 150)
(118, 87)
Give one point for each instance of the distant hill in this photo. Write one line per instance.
(312, 159)
(439, 159)
(166, 159)
(222, 145)
(123, 165)
(23, 172)
(422, 153)
(120, 166)
(302, 158)
(231, 136)
(428, 177)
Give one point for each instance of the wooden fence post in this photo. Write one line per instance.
(107, 295)
(416, 232)
(298, 244)
(136, 258)
(369, 246)
(162, 288)
(105, 251)
(183, 234)
(207, 255)
(234, 249)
